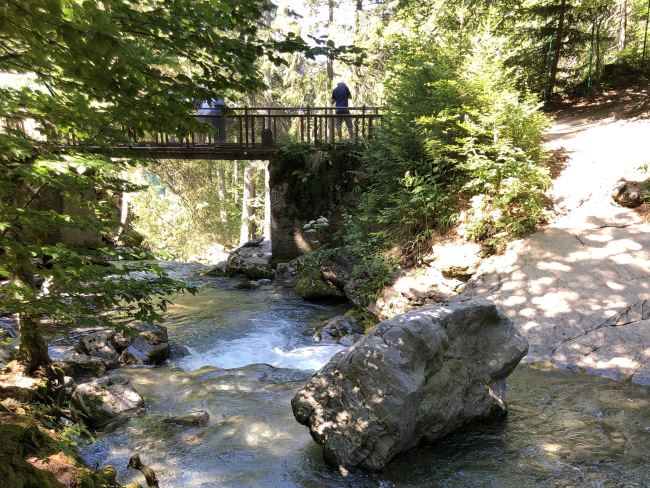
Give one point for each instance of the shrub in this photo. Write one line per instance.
(458, 131)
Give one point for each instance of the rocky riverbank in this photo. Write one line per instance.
(577, 290)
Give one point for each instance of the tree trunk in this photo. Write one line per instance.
(267, 202)
(622, 31)
(246, 205)
(235, 181)
(32, 350)
(599, 61)
(125, 216)
(221, 192)
(330, 60)
(358, 40)
(559, 37)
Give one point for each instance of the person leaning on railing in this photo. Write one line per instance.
(340, 97)
(213, 112)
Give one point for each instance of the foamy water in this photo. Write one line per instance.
(260, 348)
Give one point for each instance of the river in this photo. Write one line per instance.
(563, 429)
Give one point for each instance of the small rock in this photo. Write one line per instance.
(254, 242)
(150, 347)
(457, 260)
(105, 400)
(194, 419)
(218, 271)
(132, 355)
(338, 328)
(177, 351)
(629, 194)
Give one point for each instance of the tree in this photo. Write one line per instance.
(247, 230)
(98, 68)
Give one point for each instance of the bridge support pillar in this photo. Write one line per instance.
(304, 187)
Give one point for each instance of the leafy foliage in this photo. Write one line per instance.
(459, 129)
(195, 207)
(94, 69)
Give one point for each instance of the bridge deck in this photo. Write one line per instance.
(200, 152)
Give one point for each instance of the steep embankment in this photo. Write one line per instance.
(579, 290)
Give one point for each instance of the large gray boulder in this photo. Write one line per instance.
(253, 259)
(105, 401)
(414, 378)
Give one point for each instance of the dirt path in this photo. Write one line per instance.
(580, 290)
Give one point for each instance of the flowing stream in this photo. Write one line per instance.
(563, 429)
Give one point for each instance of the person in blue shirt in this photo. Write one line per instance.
(213, 112)
(340, 97)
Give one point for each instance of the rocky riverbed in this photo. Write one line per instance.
(563, 429)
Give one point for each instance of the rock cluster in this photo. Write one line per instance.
(414, 378)
(149, 345)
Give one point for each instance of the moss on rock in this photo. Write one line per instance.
(367, 320)
(311, 286)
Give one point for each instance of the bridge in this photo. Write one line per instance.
(246, 133)
(256, 133)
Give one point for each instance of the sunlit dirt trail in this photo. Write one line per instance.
(579, 290)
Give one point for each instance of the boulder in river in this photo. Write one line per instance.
(151, 346)
(253, 259)
(105, 401)
(100, 344)
(339, 327)
(177, 351)
(193, 419)
(414, 378)
(312, 286)
(82, 365)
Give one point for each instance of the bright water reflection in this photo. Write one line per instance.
(563, 429)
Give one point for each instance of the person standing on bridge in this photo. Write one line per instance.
(213, 112)
(340, 97)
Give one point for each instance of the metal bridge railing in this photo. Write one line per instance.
(267, 126)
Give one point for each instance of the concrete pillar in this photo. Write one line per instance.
(304, 188)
